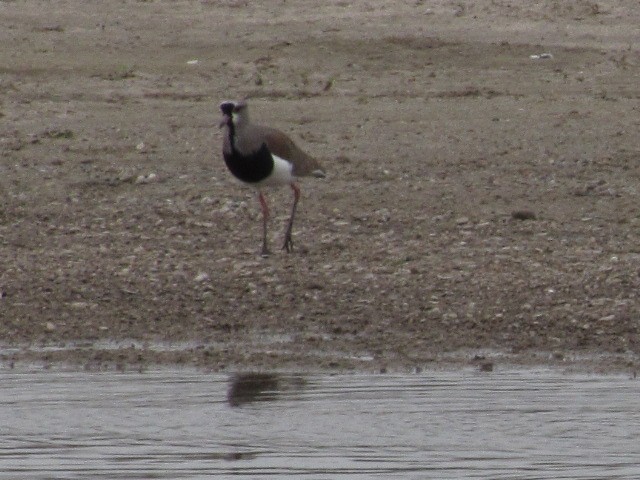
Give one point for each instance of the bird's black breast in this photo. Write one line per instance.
(251, 168)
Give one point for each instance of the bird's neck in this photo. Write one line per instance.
(231, 127)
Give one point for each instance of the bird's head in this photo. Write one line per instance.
(235, 113)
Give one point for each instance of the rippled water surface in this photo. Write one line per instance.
(440, 425)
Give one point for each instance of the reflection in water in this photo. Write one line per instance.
(247, 388)
(436, 425)
(252, 387)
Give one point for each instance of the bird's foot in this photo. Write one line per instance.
(288, 243)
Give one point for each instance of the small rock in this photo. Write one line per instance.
(523, 215)
(541, 56)
(462, 220)
(201, 277)
(79, 305)
(145, 179)
(50, 326)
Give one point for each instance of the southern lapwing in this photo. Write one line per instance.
(263, 156)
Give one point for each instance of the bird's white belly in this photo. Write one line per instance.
(282, 173)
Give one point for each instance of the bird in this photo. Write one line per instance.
(263, 156)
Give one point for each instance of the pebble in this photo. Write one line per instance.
(523, 215)
(541, 56)
(79, 305)
(202, 277)
(144, 179)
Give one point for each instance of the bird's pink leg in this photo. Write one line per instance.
(265, 220)
(288, 241)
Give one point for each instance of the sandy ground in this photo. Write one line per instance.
(482, 205)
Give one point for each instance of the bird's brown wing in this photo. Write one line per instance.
(281, 145)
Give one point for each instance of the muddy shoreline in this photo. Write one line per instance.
(482, 193)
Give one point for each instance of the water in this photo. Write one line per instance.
(436, 425)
